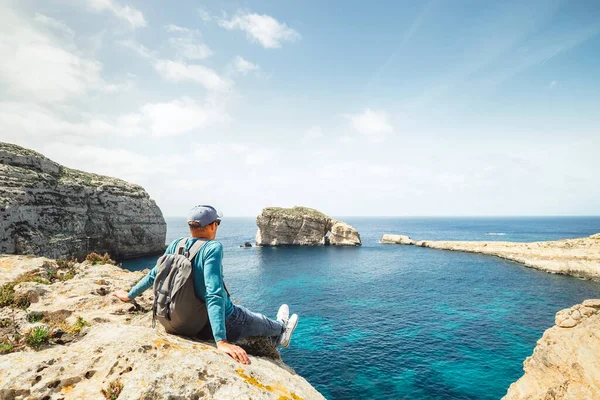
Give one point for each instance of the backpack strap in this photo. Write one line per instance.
(181, 246)
(191, 253)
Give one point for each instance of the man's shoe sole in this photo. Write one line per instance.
(293, 328)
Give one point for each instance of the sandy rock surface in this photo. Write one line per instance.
(54, 211)
(302, 226)
(115, 349)
(565, 364)
(578, 257)
(396, 239)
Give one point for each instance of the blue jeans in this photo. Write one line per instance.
(244, 323)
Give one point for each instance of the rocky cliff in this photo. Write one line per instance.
(565, 364)
(302, 226)
(63, 336)
(578, 257)
(47, 209)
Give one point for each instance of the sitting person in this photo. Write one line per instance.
(228, 322)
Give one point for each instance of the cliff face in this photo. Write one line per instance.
(302, 226)
(565, 364)
(97, 347)
(47, 209)
(578, 257)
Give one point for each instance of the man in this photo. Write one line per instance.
(229, 322)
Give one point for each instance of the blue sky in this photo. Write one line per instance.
(351, 107)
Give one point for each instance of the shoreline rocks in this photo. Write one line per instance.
(93, 343)
(577, 257)
(565, 363)
(50, 210)
(302, 226)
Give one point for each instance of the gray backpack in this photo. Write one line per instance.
(176, 305)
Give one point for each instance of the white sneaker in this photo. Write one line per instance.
(283, 314)
(286, 336)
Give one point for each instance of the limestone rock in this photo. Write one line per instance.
(343, 234)
(302, 226)
(118, 351)
(565, 363)
(578, 257)
(396, 239)
(50, 210)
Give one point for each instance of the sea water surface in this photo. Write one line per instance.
(404, 322)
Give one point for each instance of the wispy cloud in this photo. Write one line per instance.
(244, 66)
(263, 29)
(374, 124)
(31, 54)
(132, 16)
(553, 84)
(187, 43)
(180, 71)
(176, 71)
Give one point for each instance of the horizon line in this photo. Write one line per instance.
(426, 216)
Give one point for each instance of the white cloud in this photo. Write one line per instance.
(172, 118)
(263, 29)
(39, 65)
(177, 71)
(243, 66)
(53, 24)
(373, 124)
(312, 134)
(131, 15)
(187, 43)
(142, 51)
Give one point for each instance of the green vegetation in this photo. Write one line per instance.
(77, 326)
(5, 322)
(34, 317)
(295, 212)
(6, 348)
(62, 271)
(96, 259)
(37, 337)
(113, 391)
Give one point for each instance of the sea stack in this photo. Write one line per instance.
(302, 226)
(50, 210)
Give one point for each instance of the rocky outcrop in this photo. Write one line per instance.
(578, 257)
(97, 347)
(50, 210)
(396, 239)
(302, 226)
(566, 361)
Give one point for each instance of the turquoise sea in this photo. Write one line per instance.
(404, 322)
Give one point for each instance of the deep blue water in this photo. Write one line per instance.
(404, 322)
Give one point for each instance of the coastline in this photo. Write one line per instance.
(578, 257)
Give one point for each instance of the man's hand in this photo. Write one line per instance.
(233, 351)
(121, 295)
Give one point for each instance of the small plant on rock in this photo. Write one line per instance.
(34, 317)
(6, 348)
(114, 390)
(78, 326)
(96, 259)
(37, 337)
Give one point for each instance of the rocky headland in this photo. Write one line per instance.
(565, 364)
(54, 211)
(63, 336)
(577, 257)
(302, 226)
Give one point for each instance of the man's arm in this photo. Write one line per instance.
(146, 282)
(215, 302)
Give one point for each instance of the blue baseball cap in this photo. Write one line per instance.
(204, 215)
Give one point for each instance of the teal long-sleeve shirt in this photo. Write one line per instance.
(208, 282)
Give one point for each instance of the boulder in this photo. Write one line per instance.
(396, 239)
(565, 363)
(50, 210)
(302, 226)
(100, 347)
